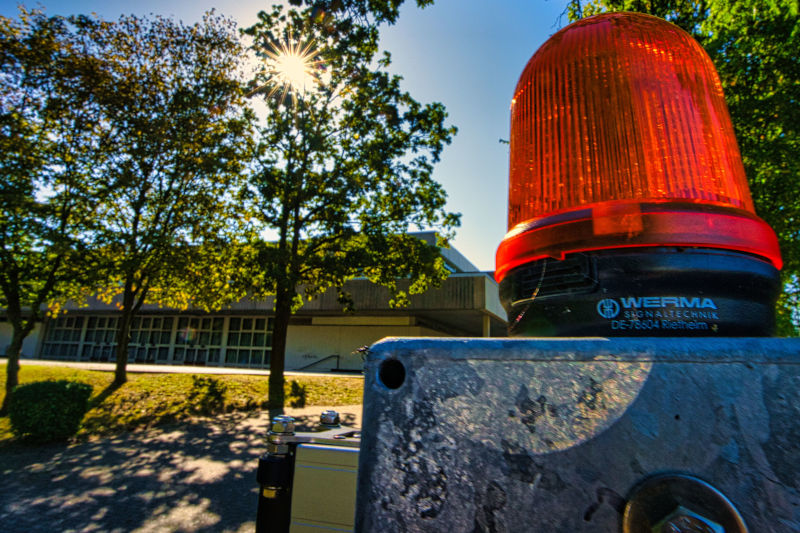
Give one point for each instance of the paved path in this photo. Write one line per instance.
(175, 369)
(192, 477)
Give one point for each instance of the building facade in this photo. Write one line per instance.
(321, 336)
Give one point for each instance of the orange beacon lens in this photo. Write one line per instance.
(629, 209)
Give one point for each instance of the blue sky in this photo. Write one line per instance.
(467, 54)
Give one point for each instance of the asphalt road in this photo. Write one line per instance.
(193, 477)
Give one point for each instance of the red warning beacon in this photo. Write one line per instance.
(629, 210)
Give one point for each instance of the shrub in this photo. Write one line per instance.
(46, 411)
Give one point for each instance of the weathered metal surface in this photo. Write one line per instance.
(552, 435)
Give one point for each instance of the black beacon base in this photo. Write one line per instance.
(643, 292)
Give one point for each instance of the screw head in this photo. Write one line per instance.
(282, 425)
(682, 520)
(706, 509)
(329, 418)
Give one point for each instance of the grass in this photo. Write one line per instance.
(149, 400)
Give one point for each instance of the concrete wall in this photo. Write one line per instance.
(307, 344)
(28, 345)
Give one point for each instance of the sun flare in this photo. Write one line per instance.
(293, 69)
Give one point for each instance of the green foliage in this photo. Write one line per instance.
(344, 164)
(788, 313)
(47, 411)
(45, 196)
(753, 44)
(356, 10)
(172, 97)
(207, 395)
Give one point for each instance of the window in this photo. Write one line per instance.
(249, 341)
(242, 341)
(100, 342)
(63, 337)
(151, 337)
(198, 340)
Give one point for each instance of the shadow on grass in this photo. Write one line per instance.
(298, 394)
(104, 394)
(138, 410)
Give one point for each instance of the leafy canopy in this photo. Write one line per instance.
(345, 162)
(47, 138)
(171, 160)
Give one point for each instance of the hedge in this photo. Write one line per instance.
(46, 411)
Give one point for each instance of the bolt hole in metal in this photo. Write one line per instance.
(392, 373)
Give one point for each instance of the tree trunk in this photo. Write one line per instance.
(124, 336)
(12, 367)
(280, 330)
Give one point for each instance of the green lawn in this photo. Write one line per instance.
(148, 400)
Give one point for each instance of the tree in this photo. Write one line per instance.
(344, 167)
(753, 44)
(175, 134)
(369, 12)
(48, 134)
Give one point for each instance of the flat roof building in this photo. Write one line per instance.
(321, 336)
